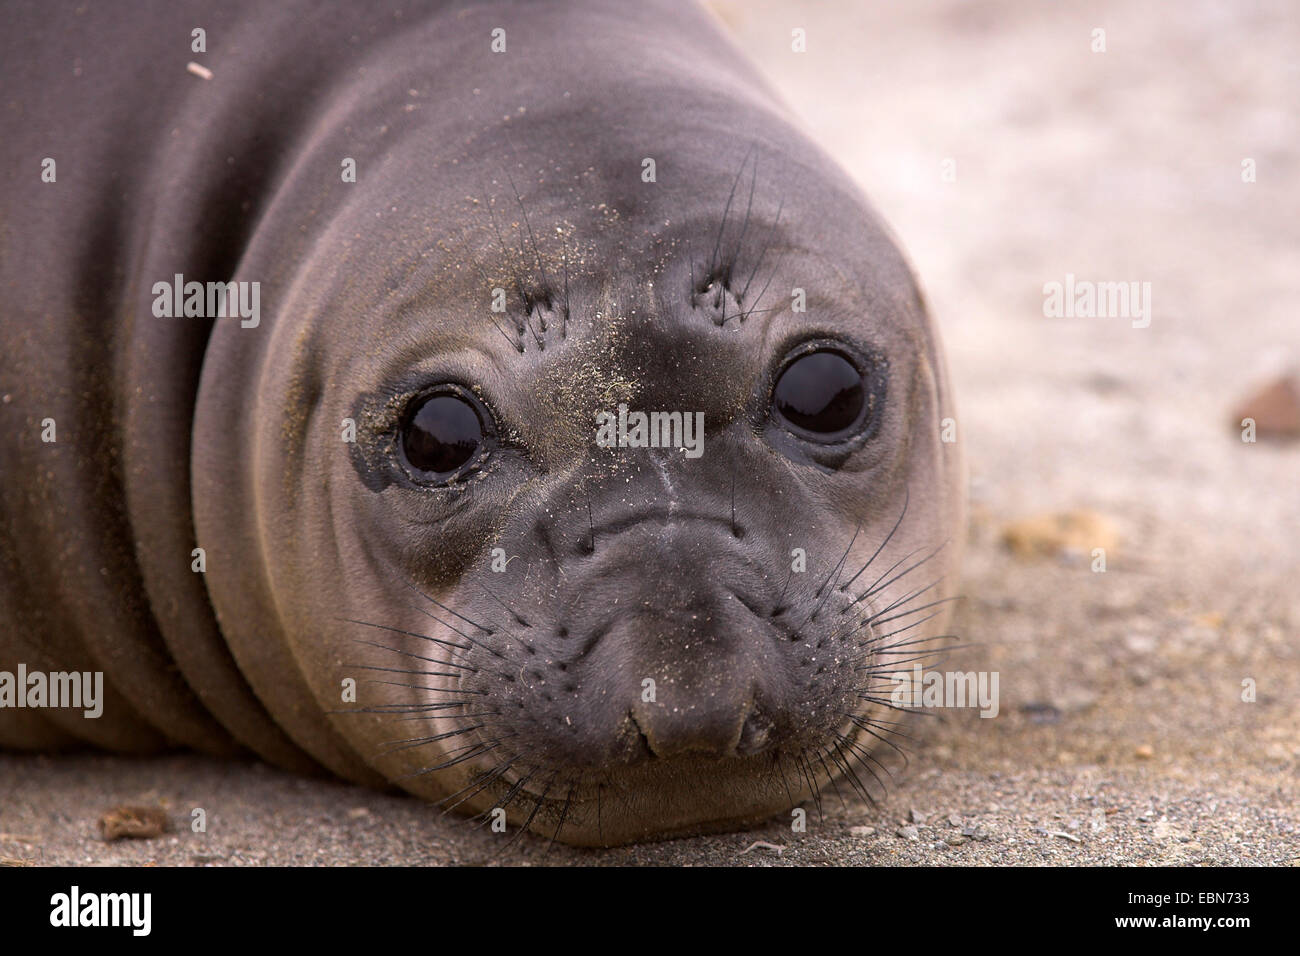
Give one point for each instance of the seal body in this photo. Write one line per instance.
(404, 521)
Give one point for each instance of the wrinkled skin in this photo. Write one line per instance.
(330, 561)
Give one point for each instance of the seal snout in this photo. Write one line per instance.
(727, 728)
(677, 668)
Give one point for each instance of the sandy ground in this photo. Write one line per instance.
(1123, 736)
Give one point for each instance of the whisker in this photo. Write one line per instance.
(749, 206)
(915, 610)
(778, 765)
(870, 727)
(823, 592)
(890, 648)
(536, 806)
(410, 743)
(873, 589)
(902, 574)
(847, 768)
(513, 612)
(564, 815)
(477, 751)
(475, 786)
(898, 630)
(421, 710)
(398, 630)
(866, 758)
(401, 670)
(883, 702)
(831, 779)
(802, 764)
(432, 690)
(907, 495)
(744, 316)
(771, 231)
(516, 344)
(906, 598)
(485, 781)
(453, 613)
(425, 717)
(726, 211)
(505, 254)
(537, 254)
(418, 657)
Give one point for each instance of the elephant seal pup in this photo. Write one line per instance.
(573, 450)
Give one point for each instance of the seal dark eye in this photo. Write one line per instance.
(821, 394)
(442, 434)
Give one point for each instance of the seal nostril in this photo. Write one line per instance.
(755, 735)
(639, 746)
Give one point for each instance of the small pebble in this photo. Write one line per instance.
(137, 823)
(1275, 409)
(1041, 712)
(1066, 533)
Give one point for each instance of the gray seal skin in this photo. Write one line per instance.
(640, 657)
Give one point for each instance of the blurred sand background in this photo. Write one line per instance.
(1123, 736)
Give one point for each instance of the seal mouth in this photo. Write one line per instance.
(759, 751)
(669, 779)
(763, 713)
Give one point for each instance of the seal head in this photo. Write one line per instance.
(606, 639)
